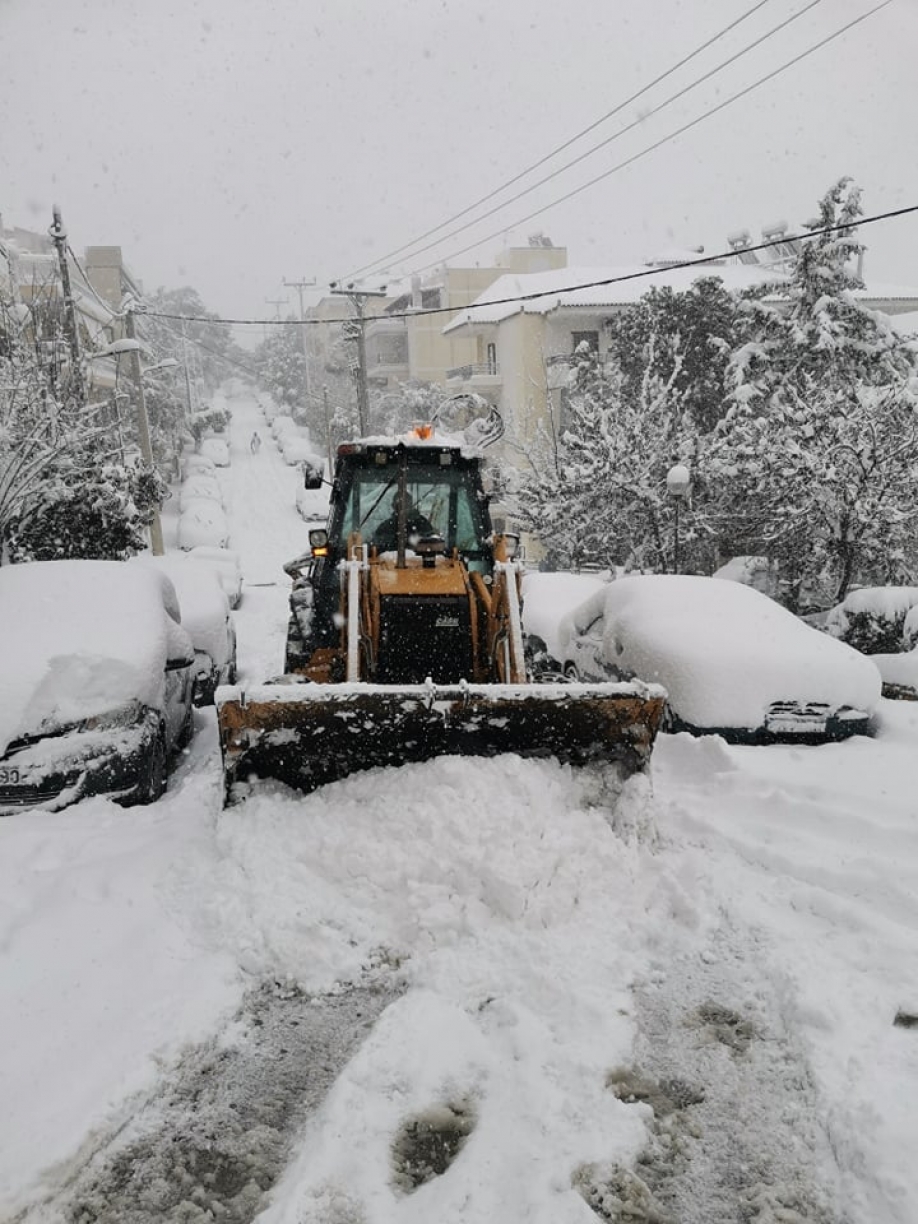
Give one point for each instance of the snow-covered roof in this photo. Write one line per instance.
(596, 287)
(607, 287)
(906, 324)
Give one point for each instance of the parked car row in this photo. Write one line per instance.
(298, 449)
(202, 521)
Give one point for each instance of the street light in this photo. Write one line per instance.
(678, 486)
(168, 363)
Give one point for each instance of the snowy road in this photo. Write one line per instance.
(676, 1004)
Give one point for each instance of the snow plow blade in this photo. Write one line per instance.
(306, 735)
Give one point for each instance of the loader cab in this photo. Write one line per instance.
(446, 488)
(443, 486)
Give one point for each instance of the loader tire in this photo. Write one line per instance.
(295, 653)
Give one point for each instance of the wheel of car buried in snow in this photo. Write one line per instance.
(187, 732)
(571, 672)
(154, 780)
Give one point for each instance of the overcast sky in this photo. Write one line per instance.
(229, 144)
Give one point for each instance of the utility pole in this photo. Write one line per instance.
(328, 437)
(143, 429)
(187, 375)
(358, 300)
(276, 303)
(58, 233)
(300, 286)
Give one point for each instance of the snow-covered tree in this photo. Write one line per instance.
(685, 336)
(395, 411)
(597, 492)
(63, 488)
(814, 462)
(282, 372)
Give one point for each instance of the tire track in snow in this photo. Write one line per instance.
(214, 1139)
(736, 1132)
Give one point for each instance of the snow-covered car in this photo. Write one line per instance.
(312, 504)
(202, 522)
(205, 617)
(297, 448)
(268, 407)
(228, 568)
(733, 662)
(876, 620)
(282, 423)
(200, 486)
(198, 465)
(882, 622)
(217, 451)
(98, 676)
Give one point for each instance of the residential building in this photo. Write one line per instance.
(407, 342)
(532, 322)
(34, 273)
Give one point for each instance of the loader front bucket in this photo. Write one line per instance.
(306, 735)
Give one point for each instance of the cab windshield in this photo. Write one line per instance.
(445, 499)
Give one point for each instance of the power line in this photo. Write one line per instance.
(663, 140)
(641, 119)
(702, 261)
(200, 343)
(560, 148)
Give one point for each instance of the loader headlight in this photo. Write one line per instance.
(318, 542)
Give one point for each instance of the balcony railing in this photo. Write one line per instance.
(475, 370)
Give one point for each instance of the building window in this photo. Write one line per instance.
(491, 359)
(430, 299)
(589, 338)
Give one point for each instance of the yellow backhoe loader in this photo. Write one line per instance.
(406, 639)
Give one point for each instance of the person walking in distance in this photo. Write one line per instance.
(255, 444)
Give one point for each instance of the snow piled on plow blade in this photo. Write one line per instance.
(306, 735)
